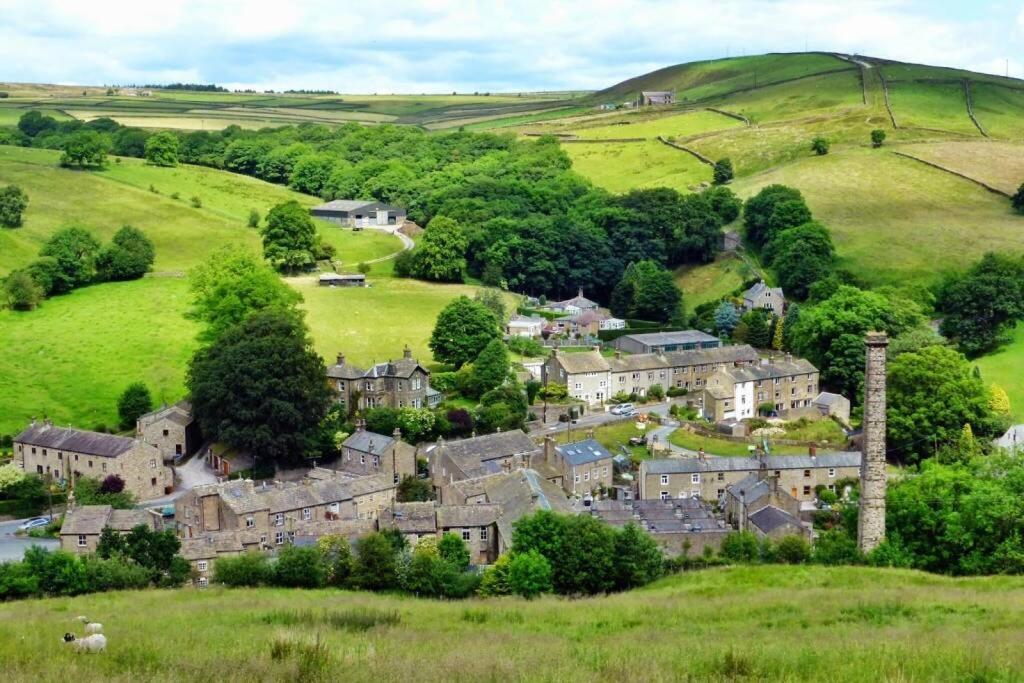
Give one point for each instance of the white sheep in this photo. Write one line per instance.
(91, 627)
(97, 642)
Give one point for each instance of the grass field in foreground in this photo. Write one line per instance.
(70, 359)
(896, 220)
(623, 166)
(803, 623)
(1005, 367)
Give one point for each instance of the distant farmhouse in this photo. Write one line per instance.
(342, 280)
(665, 342)
(651, 97)
(761, 296)
(402, 383)
(357, 213)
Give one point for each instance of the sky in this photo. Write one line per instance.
(430, 46)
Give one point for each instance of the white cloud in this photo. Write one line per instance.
(417, 45)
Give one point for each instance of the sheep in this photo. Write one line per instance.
(97, 642)
(91, 627)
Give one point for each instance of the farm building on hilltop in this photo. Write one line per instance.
(359, 213)
(649, 97)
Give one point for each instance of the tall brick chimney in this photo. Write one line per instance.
(871, 523)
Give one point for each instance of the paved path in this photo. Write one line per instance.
(406, 241)
(13, 547)
(186, 477)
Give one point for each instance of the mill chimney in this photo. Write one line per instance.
(871, 523)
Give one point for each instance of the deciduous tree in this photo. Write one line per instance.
(134, 402)
(13, 202)
(289, 237)
(464, 327)
(162, 149)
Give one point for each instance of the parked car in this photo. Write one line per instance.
(623, 409)
(34, 523)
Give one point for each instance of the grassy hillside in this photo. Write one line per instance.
(756, 623)
(649, 163)
(1004, 368)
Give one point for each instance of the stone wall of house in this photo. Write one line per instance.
(168, 436)
(141, 467)
(799, 483)
(482, 542)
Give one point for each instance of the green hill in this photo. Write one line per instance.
(745, 623)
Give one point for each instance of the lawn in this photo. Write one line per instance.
(70, 359)
(723, 447)
(711, 281)
(1005, 367)
(998, 164)
(928, 221)
(623, 166)
(742, 623)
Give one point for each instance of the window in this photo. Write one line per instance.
(578, 385)
(465, 534)
(807, 490)
(483, 533)
(807, 473)
(334, 508)
(103, 466)
(307, 514)
(90, 463)
(60, 455)
(152, 481)
(831, 471)
(362, 459)
(263, 539)
(250, 522)
(576, 479)
(376, 461)
(586, 476)
(279, 519)
(203, 582)
(44, 452)
(664, 480)
(279, 537)
(81, 540)
(721, 476)
(201, 565)
(152, 463)
(664, 495)
(695, 478)
(166, 433)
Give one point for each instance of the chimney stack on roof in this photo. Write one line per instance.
(407, 352)
(341, 358)
(397, 434)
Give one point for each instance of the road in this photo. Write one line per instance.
(13, 547)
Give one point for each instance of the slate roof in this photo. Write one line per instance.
(75, 440)
(741, 464)
(670, 338)
(769, 518)
(583, 452)
(403, 368)
(757, 289)
(343, 205)
(179, 413)
(489, 446)
(126, 520)
(639, 361)
(369, 442)
(740, 353)
(468, 488)
(411, 518)
(584, 361)
(85, 519)
(826, 398)
(748, 489)
(579, 301)
(456, 516)
(521, 492)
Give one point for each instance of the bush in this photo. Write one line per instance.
(254, 218)
(792, 550)
(820, 146)
(1018, 200)
(13, 202)
(134, 402)
(836, 547)
(723, 171)
(375, 567)
(21, 291)
(300, 568)
(877, 137)
(452, 549)
(526, 346)
(196, 202)
(529, 574)
(112, 484)
(247, 569)
(740, 547)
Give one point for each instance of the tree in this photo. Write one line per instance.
(638, 559)
(337, 556)
(502, 408)
(13, 202)
(261, 387)
(10, 474)
(793, 550)
(529, 574)
(300, 568)
(800, 257)
(758, 322)
(464, 327)
(111, 483)
(757, 211)
(74, 253)
(311, 172)
(726, 318)
(231, 286)
(21, 292)
(494, 301)
(724, 203)
(1018, 199)
(414, 490)
(374, 567)
(740, 547)
(647, 292)
(246, 570)
(85, 148)
(254, 218)
(836, 547)
(998, 401)
(129, 256)
(722, 172)
(162, 149)
(289, 237)
(981, 306)
(441, 252)
(134, 402)
(877, 137)
(931, 395)
(453, 549)
(820, 146)
(778, 338)
(32, 123)
(491, 368)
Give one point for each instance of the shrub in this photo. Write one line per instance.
(529, 574)
(13, 202)
(196, 202)
(792, 550)
(820, 146)
(112, 484)
(300, 568)
(134, 402)
(374, 567)
(247, 569)
(452, 548)
(1018, 200)
(877, 137)
(21, 291)
(836, 547)
(723, 171)
(525, 346)
(740, 547)
(254, 218)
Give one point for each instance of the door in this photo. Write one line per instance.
(382, 217)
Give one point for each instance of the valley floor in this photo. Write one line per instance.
(802, 623)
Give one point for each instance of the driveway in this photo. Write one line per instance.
(13, 547)
(186, 477)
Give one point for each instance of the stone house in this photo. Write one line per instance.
(531, 326)
(736, 393)
(520, 493)
(415, 521)
(756, 503)
(402, 383)
(585, 466)
(666, 342)
(172, 429)
(202, 552)
(452, 461)
(82, 526)
(761, 296)
(477, 525)
(466, 491)
(655, 97)
(67, 454)
(359, 213)
(586, 375)
(708, 477)
(676, 525)
(573, 306)
(833, 405)
(365, 453)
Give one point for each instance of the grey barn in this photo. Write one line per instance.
(359, 213)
